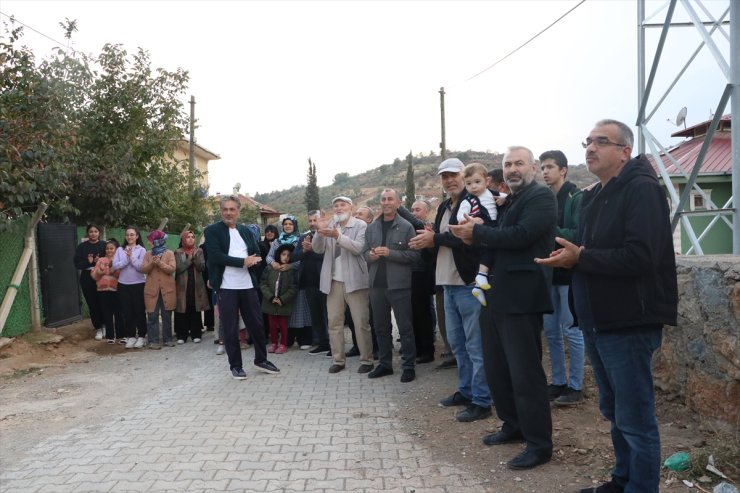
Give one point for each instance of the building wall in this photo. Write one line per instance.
(719, 239)
(182, 156)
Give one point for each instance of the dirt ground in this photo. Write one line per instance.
(60, 379)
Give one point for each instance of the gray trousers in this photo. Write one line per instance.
(381, 302)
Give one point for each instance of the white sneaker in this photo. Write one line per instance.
(140, 343)
(305, 347)
(196, 340)
(220, 349)
(181, 341)
(130, 342)
(99, 335)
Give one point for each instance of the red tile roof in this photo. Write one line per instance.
(717, 161)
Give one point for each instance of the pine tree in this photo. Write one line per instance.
(410, 187)
(312, 189)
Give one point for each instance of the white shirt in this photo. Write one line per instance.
(236, 277)
(486, 199)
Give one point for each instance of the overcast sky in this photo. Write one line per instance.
(355, 84)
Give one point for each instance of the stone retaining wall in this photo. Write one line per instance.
(700, 359)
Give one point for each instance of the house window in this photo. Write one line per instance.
(697, 200)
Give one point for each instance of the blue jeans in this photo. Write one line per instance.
(559, 325)
(152, 323)
(622, 366)
(462, 312)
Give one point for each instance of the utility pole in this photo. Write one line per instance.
(191, 162)
(443, 144)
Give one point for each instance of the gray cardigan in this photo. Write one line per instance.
(400, 259)
(354, 267)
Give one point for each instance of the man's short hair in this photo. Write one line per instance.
(556, 156)
(368, 208)
(474, 168)
(229, 198)
(315, 212)
(522, 148)
(426, 203)
(497, 175)
(398, 195)
(626, 137)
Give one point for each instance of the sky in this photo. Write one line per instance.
(355, 84)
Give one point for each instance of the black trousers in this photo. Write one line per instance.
(421, 314)
(512, 357)
(320, 328)
(188, 324)
(110, 307)
(231, 303)
(131, 297)
(90, 292)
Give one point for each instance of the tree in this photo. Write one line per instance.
(92, 136)
(312, 188)
(410, 187)
(341, 178)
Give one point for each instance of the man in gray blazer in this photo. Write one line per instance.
(344, 280)
(389, 257)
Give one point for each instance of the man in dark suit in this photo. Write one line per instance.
(511, 324)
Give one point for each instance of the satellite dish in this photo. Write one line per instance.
(680, 118)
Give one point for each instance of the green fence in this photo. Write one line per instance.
(11, 247)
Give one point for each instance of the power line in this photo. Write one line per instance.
(525, 43)
(13, 19)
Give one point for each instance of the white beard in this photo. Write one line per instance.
(340, 218)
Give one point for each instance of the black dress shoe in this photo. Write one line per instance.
(425, 358)
(501, 437)
(472, 413)
(408, 375)
(380, 371)
(528, 460)
(354, 351)
(336, 368)
(448, 363)
(365, 369)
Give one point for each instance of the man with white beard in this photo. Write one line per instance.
(344, 280)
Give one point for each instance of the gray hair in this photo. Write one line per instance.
(369, 209)
(229, 198)
(316, 212)
(522, 148)
(425, 202)
(626, 137)
(398, 195)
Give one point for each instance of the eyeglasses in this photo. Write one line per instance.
(600, 142)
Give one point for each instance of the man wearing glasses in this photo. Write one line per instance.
(511, 323)
(624, 287)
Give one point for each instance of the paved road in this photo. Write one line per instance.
(302, 430)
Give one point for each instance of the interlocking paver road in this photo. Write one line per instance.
(302, 430)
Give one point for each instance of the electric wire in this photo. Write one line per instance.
(525, 43)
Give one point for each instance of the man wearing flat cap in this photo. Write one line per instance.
(345, 281)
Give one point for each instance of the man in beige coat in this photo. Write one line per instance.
(344, 280)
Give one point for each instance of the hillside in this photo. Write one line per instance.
(365, 188)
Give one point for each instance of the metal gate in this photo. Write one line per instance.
(59, 278)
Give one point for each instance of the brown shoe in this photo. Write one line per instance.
(365, 369)
(336, 368)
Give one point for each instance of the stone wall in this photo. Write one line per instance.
(700, 359)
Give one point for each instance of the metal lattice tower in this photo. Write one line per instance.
(731, 71)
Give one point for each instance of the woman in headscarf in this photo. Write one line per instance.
(159, 290)
(192, 296)
(299, 325)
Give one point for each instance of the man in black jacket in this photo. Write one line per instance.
(309, 281)
(456, 267)
(624, 287)
(511, 324)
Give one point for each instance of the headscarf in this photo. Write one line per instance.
(273, 228)
(255, 230)
(187, 250)
(158, 238)
(292, 238)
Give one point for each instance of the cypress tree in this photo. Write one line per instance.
(410, 187)
(312, 189)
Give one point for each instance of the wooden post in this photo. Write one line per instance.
(28, 255)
